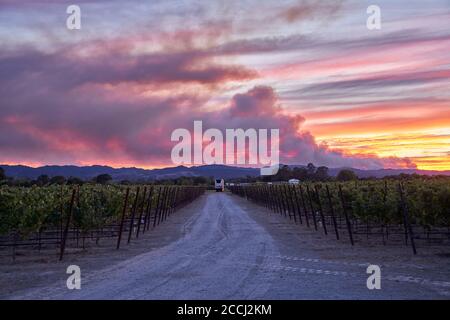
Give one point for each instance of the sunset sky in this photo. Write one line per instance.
(112, 92)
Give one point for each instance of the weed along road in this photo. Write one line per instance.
(229, 248)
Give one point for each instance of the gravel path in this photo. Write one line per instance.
(232, 249)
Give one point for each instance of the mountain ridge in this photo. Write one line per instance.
(136, 174)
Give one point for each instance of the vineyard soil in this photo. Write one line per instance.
(222, 246)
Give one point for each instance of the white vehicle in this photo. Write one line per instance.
(219, 185)
(294, 181)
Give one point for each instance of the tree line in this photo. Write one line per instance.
(285, 173)
(45, 180)
(307, 173)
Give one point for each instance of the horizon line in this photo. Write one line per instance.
(196, 166)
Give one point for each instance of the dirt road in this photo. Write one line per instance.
(232, 249)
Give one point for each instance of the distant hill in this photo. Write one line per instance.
(134, 174)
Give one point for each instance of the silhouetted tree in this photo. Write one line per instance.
(103, 178)
(58, 180)
(322, 173)
(300, 173)
(346, 175)
(43, 180)
(311, 169)
(284, 173)
(2, 174)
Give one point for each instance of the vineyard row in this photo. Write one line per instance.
(393, 211)
(62, 216)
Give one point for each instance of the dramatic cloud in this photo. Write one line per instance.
(113, 69)
(258, 101)
(297, 145)
(390, 81)
(305, 9)
(64, 109)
